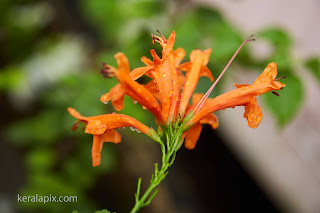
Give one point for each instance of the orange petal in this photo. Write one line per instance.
(116, 94)
(76, 114)
(198, 59)
(98, 140)
(179, 54)
(167, 50)
(146, 61)
(210, 119)
(269, 73)
(192, 136)
(122, 62)
(253, 113)
(139, 93)
(163, 70)
(140, 71)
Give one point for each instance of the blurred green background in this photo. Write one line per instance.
(50, 57)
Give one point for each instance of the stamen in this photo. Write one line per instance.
(163, 38)
(155, 39)
(106, 71)
(277, 79)
(204, 98)
(162, 41)
(275, 93)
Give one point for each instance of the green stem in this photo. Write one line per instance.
(168, 156)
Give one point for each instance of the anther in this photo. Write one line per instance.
(107, 71)
(275, 93)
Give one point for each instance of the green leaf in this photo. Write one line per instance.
(313, 64)
(288, 103)
(278, 37)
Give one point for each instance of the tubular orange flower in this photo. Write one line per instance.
(196, 67)
(162, 96)
(102, 128)
(244, 95)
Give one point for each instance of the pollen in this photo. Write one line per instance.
(170, 92)
(243, 88)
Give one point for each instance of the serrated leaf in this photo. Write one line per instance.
(288, 103)
(313, 64)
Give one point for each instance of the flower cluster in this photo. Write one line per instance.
(167, 96)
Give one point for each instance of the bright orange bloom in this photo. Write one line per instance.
(168, 93)
(102, 128)
(244, 95)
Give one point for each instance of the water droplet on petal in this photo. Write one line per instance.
(143, 107)
(134, 129)
(106, 102)
(164, 75)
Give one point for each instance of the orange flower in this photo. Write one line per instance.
(244, 95)
(102, 128)
(163, 97)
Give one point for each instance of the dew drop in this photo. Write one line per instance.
(134, 101)
(134, 129)
(243, 88)
(106, 102)
(188, 83)
(143, 107)
(259, 118)
(164, 75)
